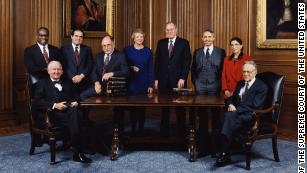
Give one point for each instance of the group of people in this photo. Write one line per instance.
(212, 73)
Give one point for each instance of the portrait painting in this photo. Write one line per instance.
(276, 25)
(94, 17)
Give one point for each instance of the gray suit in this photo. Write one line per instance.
(206, 75)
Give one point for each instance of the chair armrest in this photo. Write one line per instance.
(47, 119)
(257, 114)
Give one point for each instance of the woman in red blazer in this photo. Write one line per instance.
(232, 68)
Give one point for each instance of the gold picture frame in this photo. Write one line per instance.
(98, 25)
(262, 40)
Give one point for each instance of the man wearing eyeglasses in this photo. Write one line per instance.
(249, 95)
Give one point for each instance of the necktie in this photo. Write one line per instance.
(45, 54)
(207, 54)
(245, 89)
(106, 60)
(170, 48)
(76, 55)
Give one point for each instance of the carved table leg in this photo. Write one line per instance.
(115, 144)
(191, 137)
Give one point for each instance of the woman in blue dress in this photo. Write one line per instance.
(140, 60)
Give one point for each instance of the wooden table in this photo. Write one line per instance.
(157, 101)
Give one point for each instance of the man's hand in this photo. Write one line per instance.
(106, 76)
(77, 78)
(228, 93)
(60, 106)
(180, 83)
(98, 88)
(73, 104)
(156, 84)
(232, 108)
(135, 69)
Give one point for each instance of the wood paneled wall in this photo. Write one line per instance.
(226, 18)
(6, 54)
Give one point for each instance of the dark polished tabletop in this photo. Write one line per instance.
(155, 100)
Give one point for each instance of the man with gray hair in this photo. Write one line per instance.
(55, 94)
(249, 95)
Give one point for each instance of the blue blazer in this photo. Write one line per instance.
(35, 62)
(117, 65)
(253, 99)
(85, 61)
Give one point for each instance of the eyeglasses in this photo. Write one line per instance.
(246, 71)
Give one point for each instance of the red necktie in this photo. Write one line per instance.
(170, 48)
(45, 54)
(76, 55)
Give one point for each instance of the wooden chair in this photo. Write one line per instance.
(266, 120)
(41, 128)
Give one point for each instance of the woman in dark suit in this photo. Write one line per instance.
(140, 61)
(232, 68)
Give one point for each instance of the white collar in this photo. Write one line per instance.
(41, 46)
(173, 40)
(251, 82)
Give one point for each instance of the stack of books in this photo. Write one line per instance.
(116, 86)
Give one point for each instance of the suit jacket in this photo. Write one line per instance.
(217, 58)
(168, 70)
(232, 72)
(85, 61)
(46, 94)
(35, 62)
(117, 65)
(253, 99)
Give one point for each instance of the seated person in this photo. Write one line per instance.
(249, 95)
(55, 93)
(109, 63)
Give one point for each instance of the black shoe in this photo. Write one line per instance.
(223, 159)
(80, 157)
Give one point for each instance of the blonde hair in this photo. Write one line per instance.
(138, 30)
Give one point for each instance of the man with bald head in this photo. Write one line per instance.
(249, 95)
(109, 63)
(55, 93)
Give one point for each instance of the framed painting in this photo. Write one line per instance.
(94, 17)
(276, 24)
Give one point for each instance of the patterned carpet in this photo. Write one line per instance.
(14, 157)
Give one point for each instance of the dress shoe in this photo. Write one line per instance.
(80, 157)
(223, 159)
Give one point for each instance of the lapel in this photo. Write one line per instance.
(111, 62)
(71, 51)
(200, 57)
(52, 89)
(250, 90)
(165, 47)
(40, 56)
(81, 54)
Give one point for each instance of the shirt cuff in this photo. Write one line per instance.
(53, 106)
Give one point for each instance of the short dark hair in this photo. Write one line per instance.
(42, 28)
(73, 31)
(208, 30)
(238, 39)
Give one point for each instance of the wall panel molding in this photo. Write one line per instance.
(6, 55)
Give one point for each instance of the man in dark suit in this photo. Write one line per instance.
(249, 95)
(172, 66)
(206, 73)
(78, 59)
(109, 63)
(54, 93)
(37, 56)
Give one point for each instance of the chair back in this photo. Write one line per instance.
(275, 85)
